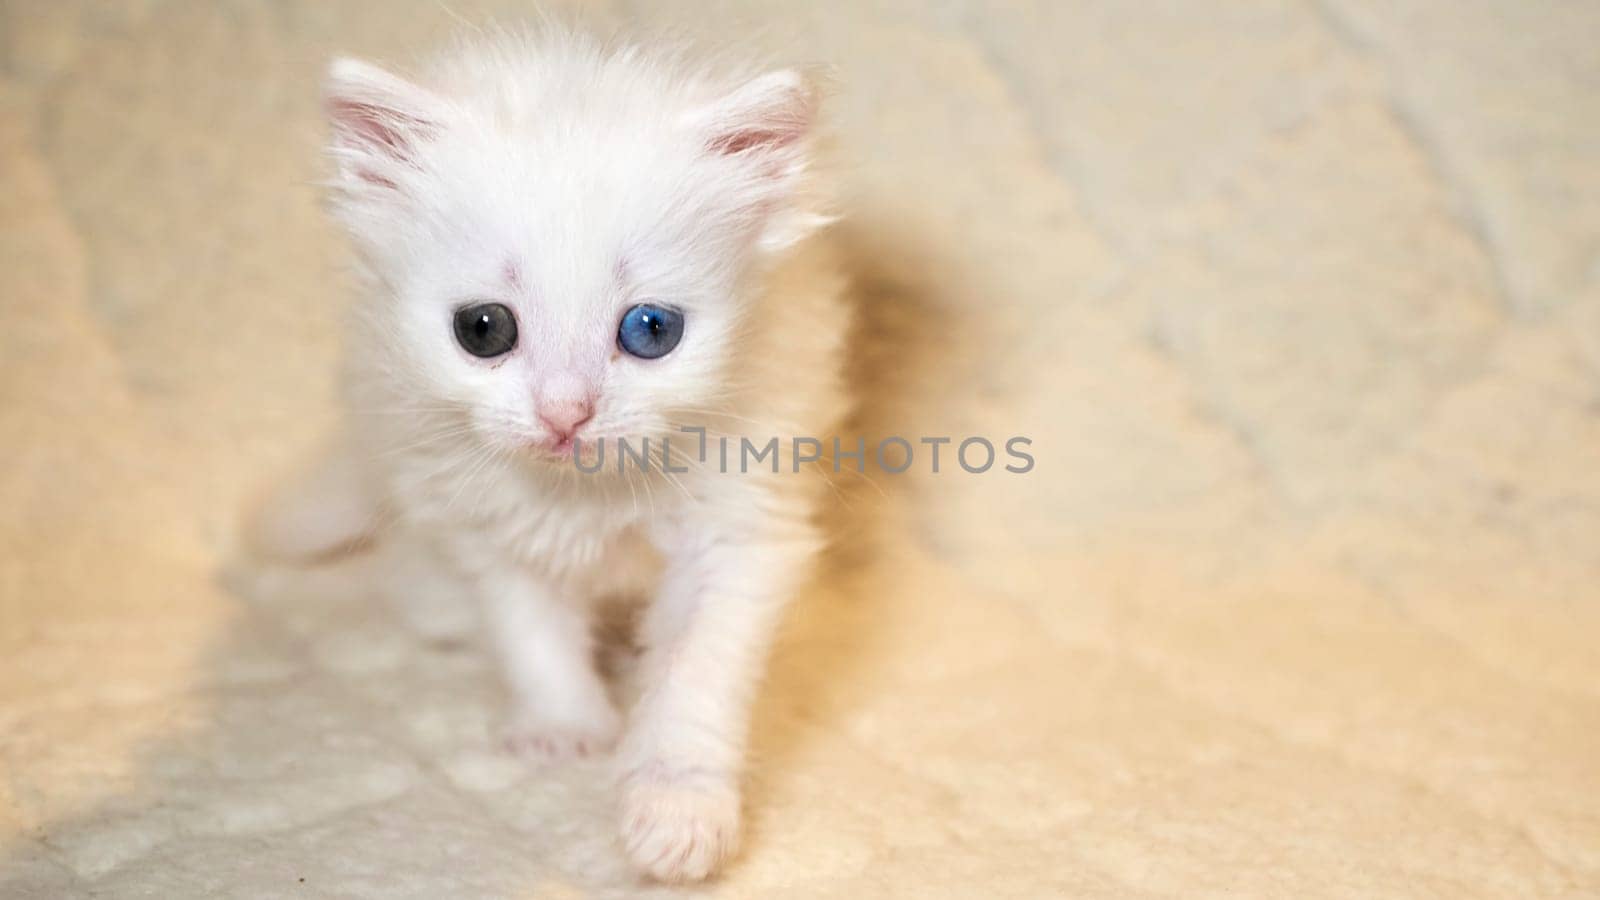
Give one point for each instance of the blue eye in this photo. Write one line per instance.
(649, 331)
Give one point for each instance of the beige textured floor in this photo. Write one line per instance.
(1299, 302)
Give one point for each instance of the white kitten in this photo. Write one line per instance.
(562, 242)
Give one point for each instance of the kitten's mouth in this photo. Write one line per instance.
(563, 450)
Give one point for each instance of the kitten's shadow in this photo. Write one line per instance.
(893, 374)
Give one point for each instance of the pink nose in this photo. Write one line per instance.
(565, 417)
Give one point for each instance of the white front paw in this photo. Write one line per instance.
(679, 827)
(546, 736)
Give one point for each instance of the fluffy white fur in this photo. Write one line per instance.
(570, 180)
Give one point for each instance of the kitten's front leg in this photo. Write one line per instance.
(560, 704)
(707, 637)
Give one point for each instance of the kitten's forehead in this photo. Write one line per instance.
(567, 82)
(573, 212)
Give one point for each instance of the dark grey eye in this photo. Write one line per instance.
(486, 329)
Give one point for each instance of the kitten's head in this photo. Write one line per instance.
(559, 235)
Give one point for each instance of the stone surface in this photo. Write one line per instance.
(1299, 303)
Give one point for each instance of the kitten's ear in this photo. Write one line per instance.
(766, 126)
(768, 116)
(378, 122)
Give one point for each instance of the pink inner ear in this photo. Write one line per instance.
(740, 141)
(377, 127)
(770, 113)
